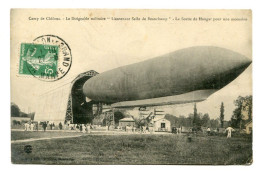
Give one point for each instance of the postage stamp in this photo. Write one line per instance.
(39, 60)
(48, 58)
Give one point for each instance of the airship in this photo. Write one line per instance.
(183, 76)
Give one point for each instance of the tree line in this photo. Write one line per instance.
(242, 114)
(200, 120)
(16, 112)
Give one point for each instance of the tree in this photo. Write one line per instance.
(173, 119)
(221, 117)
(214, 123)
(15, 110)
(31, 115)
(195, 116)
(108, 119)
(247, 107)
(186, 121)
(23, 114)
(205, 120)
(242, 112)
(189, 120)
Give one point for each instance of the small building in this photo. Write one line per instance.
(249, 126)
(162, 125)
(126, 122)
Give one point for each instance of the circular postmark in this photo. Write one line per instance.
(28, 149)
(48, 58)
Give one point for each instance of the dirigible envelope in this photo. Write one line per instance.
(186, 75)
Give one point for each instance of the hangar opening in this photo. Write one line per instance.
(79, 111)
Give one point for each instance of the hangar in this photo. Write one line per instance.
(67, 103)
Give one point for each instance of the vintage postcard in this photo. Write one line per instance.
(131, 87)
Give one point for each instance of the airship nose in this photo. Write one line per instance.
(239, 62)
(246, 62)
(225, 65)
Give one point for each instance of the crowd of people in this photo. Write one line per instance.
(129, 129)
(86, 128)
(30, 126)
(142, 129)
(34, 126)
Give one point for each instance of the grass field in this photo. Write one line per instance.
(20, 135)
(132, 149)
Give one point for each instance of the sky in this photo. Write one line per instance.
(105, 45)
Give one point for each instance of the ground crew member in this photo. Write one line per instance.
(229, 131)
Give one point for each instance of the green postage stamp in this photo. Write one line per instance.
(47, 58)
(38, 60)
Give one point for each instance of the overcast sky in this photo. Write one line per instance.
(105, 45)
